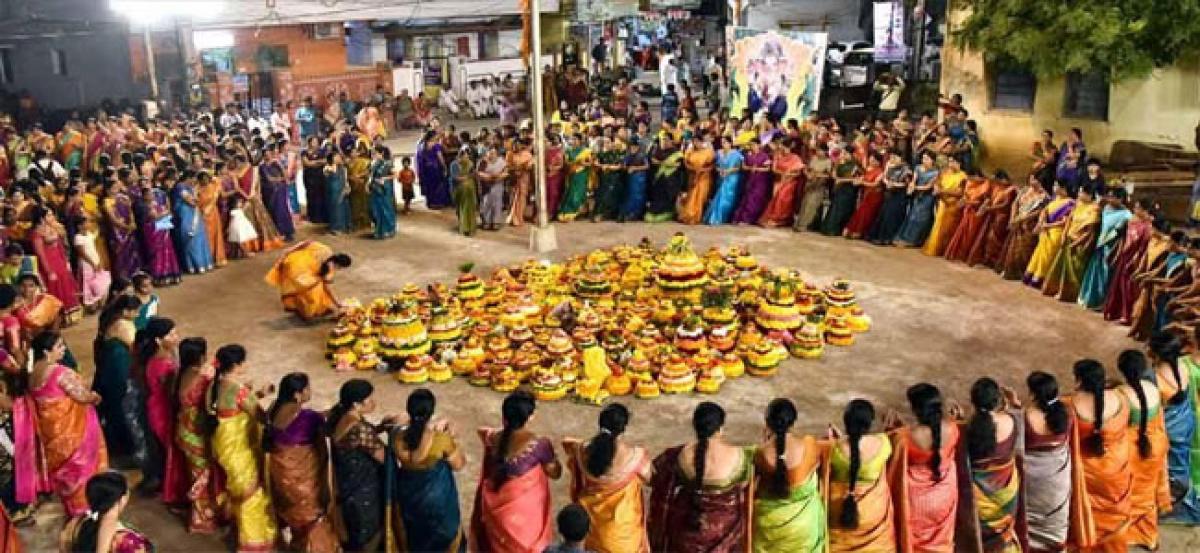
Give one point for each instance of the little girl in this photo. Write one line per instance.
(240, 230)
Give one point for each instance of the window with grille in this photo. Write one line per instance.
(1086, 96)
(1014, 89)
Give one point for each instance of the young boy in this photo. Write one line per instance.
(407, 178)
(573, 525)
(15, 263)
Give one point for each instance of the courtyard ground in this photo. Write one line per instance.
(933, 320)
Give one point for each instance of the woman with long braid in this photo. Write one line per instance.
(926, 477)
(1102, 415)
(296, 461)
(358, 455)
(861, 518)
(1178, 378)
(993, 437)
(789, 512)
(512, 504)
(1051, 506)
(424, 491)
(700, 499)
(1150, 444)
(607, 478)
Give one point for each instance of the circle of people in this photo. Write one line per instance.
(1100, 468)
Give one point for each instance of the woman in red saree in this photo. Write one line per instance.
(924, 474)
(1123, 290)
(72, 442)
(865, 216)
(204, 493)
(696, 508)
(156, 346)
(974, 212)
(49, 245)
(512, 504)
(555, 177)
(789, 170)
(1150, 445)
(1106, 456)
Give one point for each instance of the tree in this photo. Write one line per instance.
(1121, 38)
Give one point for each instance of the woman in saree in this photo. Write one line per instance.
(512, 503)
(382, 189)
(1065, 274)
(695, 507)
(72, 442)
(788, 169)
(208, 203)
(1022, 238)
(358, 455)
(120, 409)
(296, 463)
(698, 161)
(1178, 375)
(789, 507)
(924, 473)
(490, 173)
(431, 171)
(1052, 503)
(858, 498)
(896, 178)
(520, 166)
(1049, 230)
(304, 275)
(729, 172)
(313, 162)
(248, 186)
(195, 251)
(579, 174)
(1149, 444)
(422, 483)
(993, 230)
(1102, 421)
(466, 194)
(157, 349)
(1126, 263)
(236, 446)
(48, 238)
(94, 278)
(610, 187)
(274, 186)
(156, 235)
(637, 169)
(847, 173)
(866, 215)
(337, 192)
(994, 436)
(976, 199)
(919, 220)
(949, 191)
(607, 479)
(753, 199)
(101, 529)
(555, 161)
(71, 146)
(204, 496)
(1165, 260)
(358, 178)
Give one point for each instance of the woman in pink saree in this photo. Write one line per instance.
(512, 504)
(156, 347)
(49, 245)
(70, 430)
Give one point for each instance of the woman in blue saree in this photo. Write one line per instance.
(729, 169)
(423, 494)
(383, 194)
(637, 167)
(920, 213)
(1178, 375)
(1114, 216)
(195, 255)
(337, 193)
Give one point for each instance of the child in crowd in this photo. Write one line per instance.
(240, 230)
(15, 263)
(573, 526)
(407, 178)
(143, 288)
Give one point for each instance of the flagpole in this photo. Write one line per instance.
(542, 236)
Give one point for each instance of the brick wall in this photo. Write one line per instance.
(307, 57)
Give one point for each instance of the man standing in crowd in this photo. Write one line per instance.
(306, 117)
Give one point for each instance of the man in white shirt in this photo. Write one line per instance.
(448, 101)
(257, 122)
(232, 116)
(475, 100)
(667, 72)
(281, 122)
(488, 100)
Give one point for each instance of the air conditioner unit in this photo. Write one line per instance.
(326, 31)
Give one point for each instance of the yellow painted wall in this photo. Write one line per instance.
(1163, 107)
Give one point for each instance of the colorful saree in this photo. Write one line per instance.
(156, 236)
(866, 216)
(926, 503)
(1050, 465)
(235, 445)
(665, 186)
(55, 269)
(876, 531)
(1065, 275)
(579, 175)
(72, 441)
(753, 200)
(1108, 479)
(466, 195)
(555, 176)
(160, 376)
(268, 236)
(997, 496)
(124, 539)
(521, 165)
(432, 175)
(1094, 288)
(795, 523)
(949, 212)
(359, 485)
(724, 510)
(1151, 490)
(1123, 291)
(208, 201)
(699, 163)
(720, 209)
(614, 502)
(1183, 468)
(974, 213)
(195, 253)
(1049, 240)
(915, 230)
(515, 515)
(204, 495)
(358, 176)
(1021, 240)
(382, 199)
(296, 465)
(782, 206)
(302, 289)
(424, 497)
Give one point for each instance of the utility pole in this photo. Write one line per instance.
(150, 61)
(542, 236)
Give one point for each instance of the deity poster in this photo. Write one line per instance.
(777, 74)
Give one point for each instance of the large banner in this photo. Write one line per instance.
(776, 73)
(889, 32)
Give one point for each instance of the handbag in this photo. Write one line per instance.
(164, 223)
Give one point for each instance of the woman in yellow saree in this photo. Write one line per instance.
(859, 499)
(699, 163)
(303, 275)
(1065, 275)
(607, 478)
(949, 191)
(789, 509)
(236, 444)
(1049, 231)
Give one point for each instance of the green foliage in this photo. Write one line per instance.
(1123, 38)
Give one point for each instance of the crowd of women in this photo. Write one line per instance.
(1098, 469)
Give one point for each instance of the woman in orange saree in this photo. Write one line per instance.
(859, 500)
(72, 441)
(208, 197)
(607, 478)
(1102, 417)
(789, 170)
(1149, 442)
(512, 504)
(974, 211)
(924, 474)
(191, 436)
(699, 162)
(303, 276)
(949, 192)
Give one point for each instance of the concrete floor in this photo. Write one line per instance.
(933, 320)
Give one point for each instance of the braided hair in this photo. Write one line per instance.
(603, 446)
(104, 492)
(228, 358)
(1089, 373)
(355, 390)
(1168, 348)
(707, 420)
(516, 410)
(781, 417)
(290, 388)
(857, 418)
(1044, 389)
(145, 342)
(981, 430)
(1133, 366)
(926, 402)
(420, 406)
